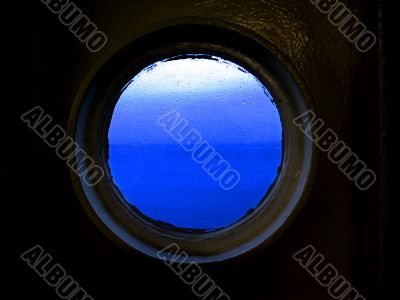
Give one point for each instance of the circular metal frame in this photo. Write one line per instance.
(128, 227)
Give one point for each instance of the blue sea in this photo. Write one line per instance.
(164, 183)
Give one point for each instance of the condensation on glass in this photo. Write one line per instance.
(224, 109)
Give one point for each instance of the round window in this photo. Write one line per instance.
(195, 143)
(193, 127)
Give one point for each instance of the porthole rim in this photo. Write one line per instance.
(211, 257)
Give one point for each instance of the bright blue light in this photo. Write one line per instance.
(228, 107)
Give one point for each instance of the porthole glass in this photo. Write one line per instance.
(195, 142)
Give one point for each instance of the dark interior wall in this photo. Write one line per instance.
(46, 65)
(390, 64)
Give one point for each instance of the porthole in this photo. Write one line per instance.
(195, 142)
(155, 110)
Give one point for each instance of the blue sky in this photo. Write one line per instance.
(222, 101)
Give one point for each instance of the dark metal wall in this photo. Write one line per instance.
(46, 65)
